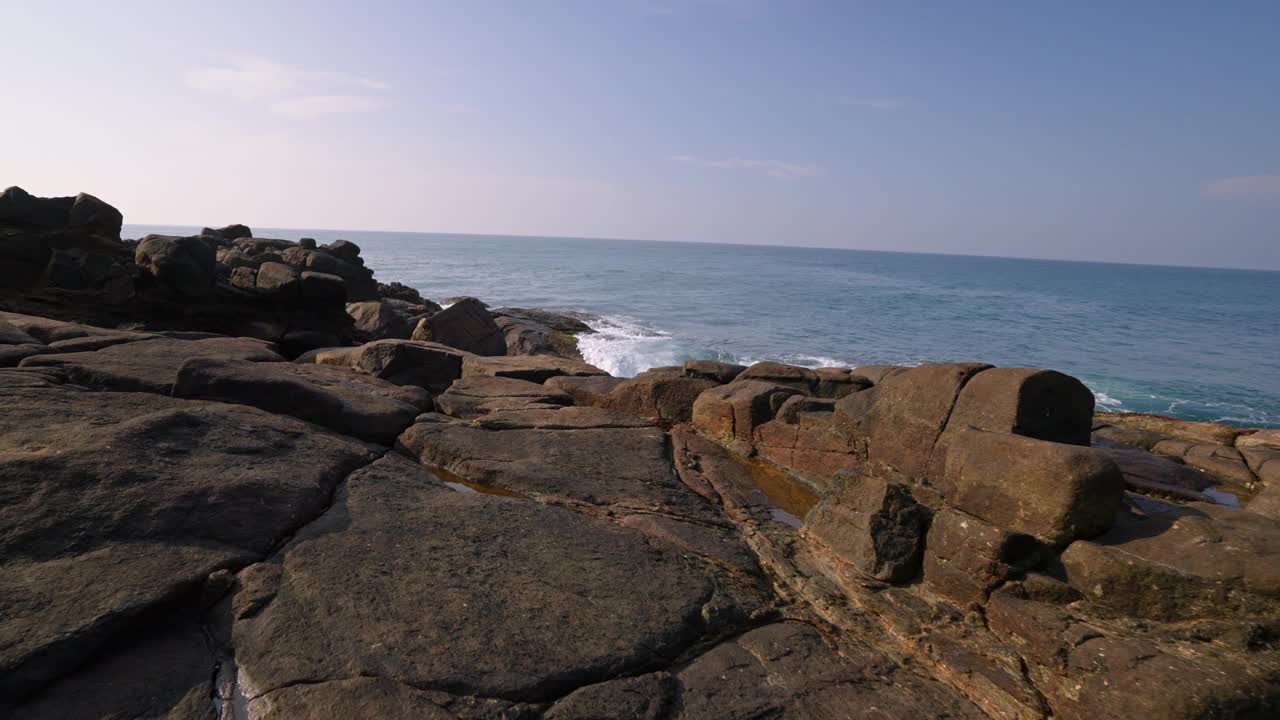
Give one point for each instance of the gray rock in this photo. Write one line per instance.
(340, 399)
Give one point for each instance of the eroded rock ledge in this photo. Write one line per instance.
(444, 513)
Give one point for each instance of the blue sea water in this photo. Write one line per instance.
(1193, 343)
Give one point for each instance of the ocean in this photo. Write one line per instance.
(1193, 343)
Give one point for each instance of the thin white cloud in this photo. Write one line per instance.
(1243, 186)
(246, 79)
(316, 105)
(293, 92)
(772, 168)
(874, 103)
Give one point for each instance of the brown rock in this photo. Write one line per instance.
(1221, 461)
(1169, 562)
(878, 373)
(279, 281)
(322, 288)
(1053, 492)
(476, 396)
(721, 372)
(1042, 404)
(966, 558)
(872, 524)
(907, 413)
(836, 383)
(534, 368)
(668, 399)
(730, 413)
(1192, 431)
(403, 362)
(566, 454)
(585, 390)
(466, 325)
(379, 320)
(795, 377)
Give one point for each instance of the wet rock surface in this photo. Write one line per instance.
(191, 527)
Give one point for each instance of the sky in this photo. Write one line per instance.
(1118, 131)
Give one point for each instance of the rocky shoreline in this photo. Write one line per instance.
(241, 478)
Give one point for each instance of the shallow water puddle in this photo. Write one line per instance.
(457, 483)
(1222, 498)
(789, 500)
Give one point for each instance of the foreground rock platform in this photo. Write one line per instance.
(481, 525)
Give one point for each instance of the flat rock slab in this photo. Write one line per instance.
(473, 397)
(340, 399)
(788, 670)
(464, 593)
(534, 368)
(1173, 562)
(148, 365)
(112, 503)
(161, 670)
(611, 465)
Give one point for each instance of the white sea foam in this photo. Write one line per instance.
(1106, 400)
(623, 346)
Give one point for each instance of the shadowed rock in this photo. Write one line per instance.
(403, 362)
(114, 503)
(585, 390)
(148, 365)
(1042, 404)
(872, 524)
(530, 601)
(343, 400)
(466, 325)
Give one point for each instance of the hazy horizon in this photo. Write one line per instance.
(1137, 134)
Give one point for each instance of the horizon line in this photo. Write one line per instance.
(741, 244)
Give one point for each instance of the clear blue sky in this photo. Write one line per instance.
(1125, 131)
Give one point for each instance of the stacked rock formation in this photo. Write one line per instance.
(466, 521)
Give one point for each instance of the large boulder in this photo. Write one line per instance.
(403, 362)
(872, 524)
(340, 399)
(183, 265)
(667, 399)
(903, 415)
(1054, 492)
(279, 281)
(1042, 404)
(380, 320)
(147, 365)
(82, 213)
(730, 413)
(466, 325)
